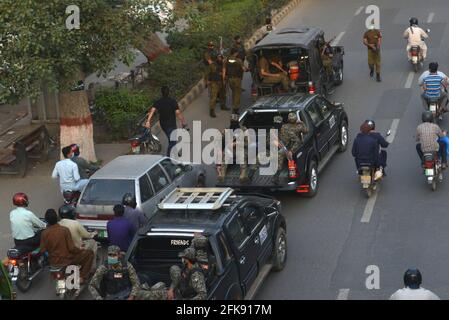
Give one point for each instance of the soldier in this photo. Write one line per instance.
(192, 283)
(217, 89)
(289, 140)
(200, 244)
(272, 72)
(372, 39)
(326, 57)
(233, 73)
(116, 279)
(240, 48)
(160, 291)
(208, 58)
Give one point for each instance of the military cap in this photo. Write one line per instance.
(199, 242)
(114, 250)
(188, 253)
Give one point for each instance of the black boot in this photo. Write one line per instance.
(371, 73)
(378, 78)
(212, 113)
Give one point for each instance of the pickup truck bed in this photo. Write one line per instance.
(232, 179)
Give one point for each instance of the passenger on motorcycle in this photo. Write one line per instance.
(415, 36)
(427, 136)
(366, 149)
(116, 279)
(67, 172)
(433, 84)
(25, 226)
(85, 168)
(413, 289)
(82, 239)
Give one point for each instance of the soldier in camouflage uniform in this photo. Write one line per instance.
(209, 56)
(289, 140)
(192, 283)
(160, 291)
(216, 85)
(115, 279)
(233, 75)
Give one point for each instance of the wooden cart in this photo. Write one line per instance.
(20, 143)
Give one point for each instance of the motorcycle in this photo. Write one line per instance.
(71, 197)
(146, 142)
(435, 107)
(366, 173)
(416, 57)
(62, 290)
(24, 265)
(433, 170)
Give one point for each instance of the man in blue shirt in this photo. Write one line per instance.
(433, 83)
(67, 172)
(120, 230)
(24, 224)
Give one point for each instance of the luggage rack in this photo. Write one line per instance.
(197, 199)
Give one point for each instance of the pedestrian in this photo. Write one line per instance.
(134, 215)
(120, 230)
(216, 85)
(233, 75)
(62, 252)
(372, 39)
(67, 172)
(168, 110)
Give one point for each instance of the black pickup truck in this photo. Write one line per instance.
(246, 233)
(327, 125)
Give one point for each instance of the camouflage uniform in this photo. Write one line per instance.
(234, 75)
(200, 243)
(217, 89)
(290, 137)
(96, 285)
(209, 54)
(192, 284)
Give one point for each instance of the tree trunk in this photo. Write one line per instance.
(76, 122)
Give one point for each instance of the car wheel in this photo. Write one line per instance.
(23, 283)
(344, 137)
(280, 250)
(312, 179)
(201, 182)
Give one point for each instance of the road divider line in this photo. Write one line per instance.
(431, 16)
(338, 38)
(343, 294)
(359, 10)
(369, 208)
(393, 130)
(408, 83)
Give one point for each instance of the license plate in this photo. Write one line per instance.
(433, 107)
(60, 284)
(102, 233)
(429, 172)
(365, 179)
(136, 149)
(15, 272)
(415, 59)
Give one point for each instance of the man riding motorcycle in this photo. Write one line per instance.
(427, 136)
(433, 84)
(413, 289)
(84, 167)
(415, 36)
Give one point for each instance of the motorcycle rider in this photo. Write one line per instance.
(24, 223)
(427, 136)
(433, 84)
(83, 165)
(134, 215)
(116, 279)
(415, 36)
(413, 289)
(366, 148)
(82, 239)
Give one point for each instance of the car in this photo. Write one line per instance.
(246, 238)
(298, 49)
(327, 125)
(149, 177)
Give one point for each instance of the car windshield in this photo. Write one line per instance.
(106, 191)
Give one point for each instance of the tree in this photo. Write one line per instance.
(36, 47)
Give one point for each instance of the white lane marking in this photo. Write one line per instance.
(359, 10)
(369, 208)
(338, 38)
(393, 130)
(430, 18)
(408, 83)
(343, 294)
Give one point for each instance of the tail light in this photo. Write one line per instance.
(304, 188)
(13, 262)
(135, 143)
(292, 169)
(57, 275)
(414, 53)
(429, 164)
(311, 87)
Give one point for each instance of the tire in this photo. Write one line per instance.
(22, 283)
(344, 137)
(21, 162)
(369, 192)
(280, 250)
(154, 147)
(434, 185)
(201, 182)
(312, 178)
(416, 67)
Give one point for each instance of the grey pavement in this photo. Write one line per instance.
(329, 247)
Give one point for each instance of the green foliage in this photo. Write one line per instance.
(121, 109)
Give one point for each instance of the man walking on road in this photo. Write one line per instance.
(372, 39)
(168, 110)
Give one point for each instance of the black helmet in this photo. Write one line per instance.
(129, 200)
(67, 212)
(413, 21)
(412, 278)
(371, 124)
(427, 116)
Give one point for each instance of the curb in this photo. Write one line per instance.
(199, 87)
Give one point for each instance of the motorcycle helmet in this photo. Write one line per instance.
(371, 124)
(413, 21)
(20, 200)
(412, 278)
(427, 116)
(75, 149)
(67, 212)
(129, 200)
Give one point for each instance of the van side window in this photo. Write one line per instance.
(158, 178)
(237, 232)
(314, 113)
(146, 192)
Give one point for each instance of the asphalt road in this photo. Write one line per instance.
(330, 248)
